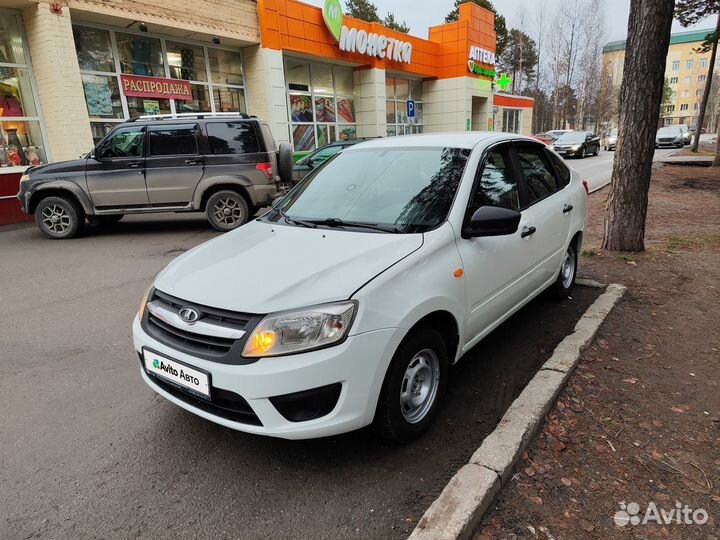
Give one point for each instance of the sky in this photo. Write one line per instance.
(421, 14)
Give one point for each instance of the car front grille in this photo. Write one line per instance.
(217, 335)
(671, 139)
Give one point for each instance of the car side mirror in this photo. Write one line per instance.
(492, 221)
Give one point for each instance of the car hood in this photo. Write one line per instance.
(72, 165)
(263, 267)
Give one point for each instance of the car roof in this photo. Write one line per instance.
(463, 139)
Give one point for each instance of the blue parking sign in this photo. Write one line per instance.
(411, 108)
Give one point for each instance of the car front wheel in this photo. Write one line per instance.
(59, 218)
(227, 210)
(413, 387)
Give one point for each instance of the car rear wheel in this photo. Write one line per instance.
(413, 387)
(597, 150)
(566, 279)
(227, 210)
(59, 218)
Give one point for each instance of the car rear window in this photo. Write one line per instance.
(232, 138)
(173, 140)
(564, 174)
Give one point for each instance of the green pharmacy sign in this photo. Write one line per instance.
(503, 82)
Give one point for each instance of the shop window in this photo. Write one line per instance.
(321, 108)
(511, 120)
(186, 61)
(140, 55)
(94, 49)
(225, 67)
(232, 138)
(173, 140)
(11, 41)
(398, 91)
(22, 139)
(200, 101)
(145, 106)
(102, 96)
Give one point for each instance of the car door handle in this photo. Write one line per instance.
(567, 208)
(192, 161)
(136, 164)
(527, 231)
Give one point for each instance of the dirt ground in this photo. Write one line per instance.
(705, 148)
(639, 421)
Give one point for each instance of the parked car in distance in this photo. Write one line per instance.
(226, 165)
(669, 136)
(305, 165)
(555, 134)
(577, 144)
(544, 138)
(687, 136)
(344, 305)
(611, 139)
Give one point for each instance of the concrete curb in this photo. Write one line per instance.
(459, 508)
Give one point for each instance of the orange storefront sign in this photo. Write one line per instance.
(293, 26)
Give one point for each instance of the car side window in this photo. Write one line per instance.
(232, 138)
(497, 187)
(326, 153)
(538, 172)
(173, 140)
(564, 174)
(123, 143)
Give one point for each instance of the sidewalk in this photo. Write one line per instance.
(639, 421)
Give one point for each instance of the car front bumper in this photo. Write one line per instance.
(358, 364)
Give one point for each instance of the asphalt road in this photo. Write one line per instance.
(597, 170)
(88, 451)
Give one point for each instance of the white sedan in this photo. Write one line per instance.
(344, 305)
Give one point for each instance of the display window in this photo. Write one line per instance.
(22, 138)
(215, 75)
(321, 104)
(398, 91)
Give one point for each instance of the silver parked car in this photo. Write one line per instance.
(669, 136)
(611, 139)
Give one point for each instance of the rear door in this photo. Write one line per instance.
(174, 165)
(115, 173)
(234, 151)
(546, 214)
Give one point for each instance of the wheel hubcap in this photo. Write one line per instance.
(56, 219)
(568, 268)
(419, 386)
(228, 211)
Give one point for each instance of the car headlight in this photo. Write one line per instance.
(677, 138)
(143, 303)
(301, 330)
(576, 148)
(24, 178)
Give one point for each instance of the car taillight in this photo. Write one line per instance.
(266, 168)
(586, 185)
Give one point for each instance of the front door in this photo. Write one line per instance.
(174, 165)
(115, 173)
(494, 265)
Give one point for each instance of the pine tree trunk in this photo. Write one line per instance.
(706, 93)
(640, 97)
(716, 161)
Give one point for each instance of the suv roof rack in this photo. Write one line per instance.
(198, 115)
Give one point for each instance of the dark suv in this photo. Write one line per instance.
(226, 165)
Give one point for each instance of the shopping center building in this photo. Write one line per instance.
(71, 70)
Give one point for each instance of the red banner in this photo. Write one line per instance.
(155, 87)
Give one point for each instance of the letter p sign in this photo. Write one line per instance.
(411, 108)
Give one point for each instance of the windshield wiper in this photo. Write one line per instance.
(337, 222)
(308, 224)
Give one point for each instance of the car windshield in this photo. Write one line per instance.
(402, 190)
(573, 137)
(669, 131)
(613, 132)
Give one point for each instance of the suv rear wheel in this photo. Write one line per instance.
(227, 210)
(59, 217)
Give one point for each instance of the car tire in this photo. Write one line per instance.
(227, 210)
(568, 270)
(582, 153)
(59, 217)
(285, 164)
(597, 150)
(413, 387)
(105, 221)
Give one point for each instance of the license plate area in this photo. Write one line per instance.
(187, 378)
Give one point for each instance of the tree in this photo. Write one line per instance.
(667, 96)
(520, 58)
(691, 12)
(500, 26)
(363, 10)
(640, 96)
(391, 22)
